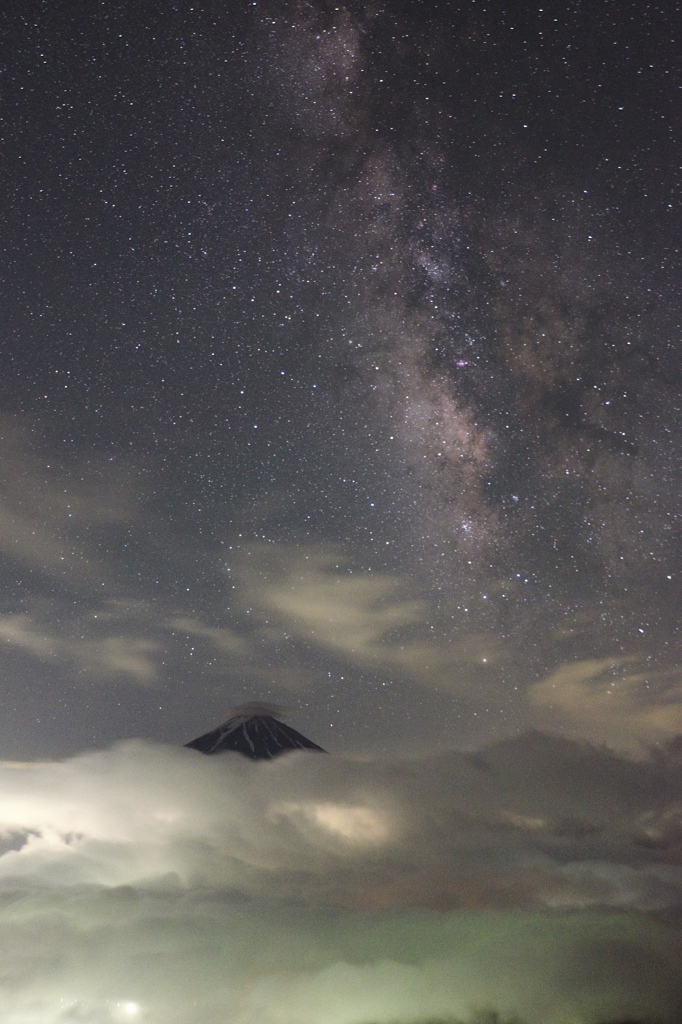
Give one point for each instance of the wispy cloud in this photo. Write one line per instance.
(315, 596)
(48, 509)
(611, 700)
(222, 638)
(111, 656)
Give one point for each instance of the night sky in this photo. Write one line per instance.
(340, 369)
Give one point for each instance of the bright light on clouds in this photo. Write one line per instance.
(361, 826)
(153, 883)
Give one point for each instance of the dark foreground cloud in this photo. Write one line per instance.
(538, 877)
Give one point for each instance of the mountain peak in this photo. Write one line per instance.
(254, 730)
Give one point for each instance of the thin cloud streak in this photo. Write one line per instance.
(603, 700)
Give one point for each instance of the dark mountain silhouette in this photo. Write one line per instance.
(254, 730)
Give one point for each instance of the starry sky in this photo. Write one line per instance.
(341, 369)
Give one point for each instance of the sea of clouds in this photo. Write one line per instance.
(538, 878)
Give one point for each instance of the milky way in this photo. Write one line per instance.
(341, 371)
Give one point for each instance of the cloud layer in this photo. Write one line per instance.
(539, 877)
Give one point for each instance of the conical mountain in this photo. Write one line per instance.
(254, 730)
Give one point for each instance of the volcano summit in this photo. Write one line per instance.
(254, 730)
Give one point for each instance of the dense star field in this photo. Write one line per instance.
(341, 370)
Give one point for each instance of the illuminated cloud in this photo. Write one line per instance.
(351, 612)
(21, 631)
(120, 656)
(611, 700)
(124, 656)
(223, 639)
(314, 596)
(152, 883)
(356, 825)
(525, 808)
(48, 510)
